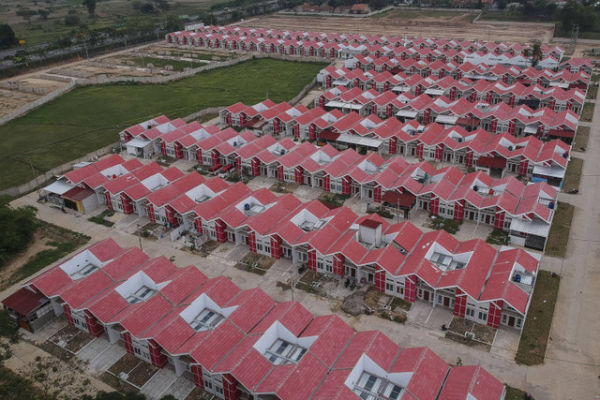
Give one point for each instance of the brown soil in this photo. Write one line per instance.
(141, 374)
(125, 364)
(459, 27)
(79, 341)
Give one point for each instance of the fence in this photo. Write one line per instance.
(16, 191)
(37, 103)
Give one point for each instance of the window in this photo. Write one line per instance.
(142, 294)
(470, 312)
(83, 272)
(389, 286)
(482, 316)
(283, 352)
(207, 319)
(371, 387)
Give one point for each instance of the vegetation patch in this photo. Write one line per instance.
(534, 339)
(516, 394)
(581, 138)
(256, 263)
(64, 242)
(332, 200)
(449, 225)
(101, 218)
(53, 134)
(283, 187)
(397, 302)
(573, 174)
(8, 327)
(556, 245)
(592, 92)
(17, 226)
(15, 387)
(498, 236)
(587, 114)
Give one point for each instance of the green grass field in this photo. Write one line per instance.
(88, 118)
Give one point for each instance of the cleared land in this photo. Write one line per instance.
(412, 23)
(89, 118)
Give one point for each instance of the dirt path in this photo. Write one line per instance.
(38, 244)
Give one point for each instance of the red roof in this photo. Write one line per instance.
(24, 301)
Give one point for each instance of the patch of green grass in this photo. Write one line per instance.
(516, 394)
(556, 244)
(91, 117)
(497, 236)
(581, 138)
(573, 174)
(101, 218)
(63, 241)
(332, 200)
(534, 338)
(448, 224)
(588, 112)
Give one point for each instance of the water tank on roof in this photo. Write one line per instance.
(460, 140)
(510, 148)
(234, 144)
(565, 154)
(517, 278)
(282, 152)
(247, 207)
(476, 188)
(551, 205)
(149, 126)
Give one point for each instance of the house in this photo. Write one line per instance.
(360, 8)
(234, 343)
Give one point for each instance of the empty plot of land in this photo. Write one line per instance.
(88, 118)
(434, 24)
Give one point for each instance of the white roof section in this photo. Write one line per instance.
(536, 228)
(58, 187)
(554, 172)
(357, 140)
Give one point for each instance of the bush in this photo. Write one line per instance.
(17, 227)
(72, 20)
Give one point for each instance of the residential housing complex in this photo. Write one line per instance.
(397, 258)
(233, 343)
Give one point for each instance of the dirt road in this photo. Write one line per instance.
(455, 27)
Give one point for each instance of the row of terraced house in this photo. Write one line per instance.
(235, 344)
(526, 212)
(497, 154)
(471, 278)
(348, 46)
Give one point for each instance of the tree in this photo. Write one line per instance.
(173, 23)
(43, 13)
(17, 226)
(26, 14)
(72, 20)
(91, 6)
(147, 8)
(162, 4)
(7, 36)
